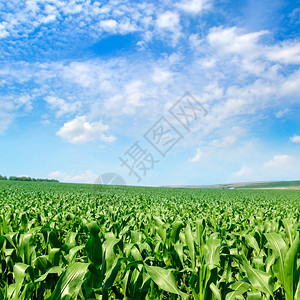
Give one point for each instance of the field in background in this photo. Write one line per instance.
(68, 241)
(295, 184)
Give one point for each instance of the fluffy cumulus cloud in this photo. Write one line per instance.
(248, 50)
(168, 21)
(194, 6)
(109, 25)
(87, 176)
(286, 52)
(80, 130)
(243, 172)
(232, 40)
(279, 160)
(295, 139)
(284, 166)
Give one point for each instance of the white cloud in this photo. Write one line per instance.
(98, 87)
(149, 86)
(79, 131)
(86, 74)
(55, 174)
(194, 6)
(6, 118)
(62, 106)
(25, 101)
(126, 26)
(161, 75)
(287, 53)
(295, 139)
(282, 113)
(128, 100)
(278, 160)
(195, 41)
(45, 122)
(71, 18)
(13, 106)
(197, 156)
(290, 85)
(3, 33)
(134, 93)
(243, 172)
(168, 26)
(109, 25)
(23, 175)
(168, 20)
(225, 142)
(231, 40)
(238, 131)
(87, 176)
(48, 19)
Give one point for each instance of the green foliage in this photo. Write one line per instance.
(63, 241)
(25, 178)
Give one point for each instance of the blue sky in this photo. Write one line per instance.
(82, 81)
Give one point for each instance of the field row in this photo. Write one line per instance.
(77, 241)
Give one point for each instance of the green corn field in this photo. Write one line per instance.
(72, 241)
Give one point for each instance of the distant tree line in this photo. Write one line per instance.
(25, 178)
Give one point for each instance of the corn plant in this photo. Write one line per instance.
(64, 241)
